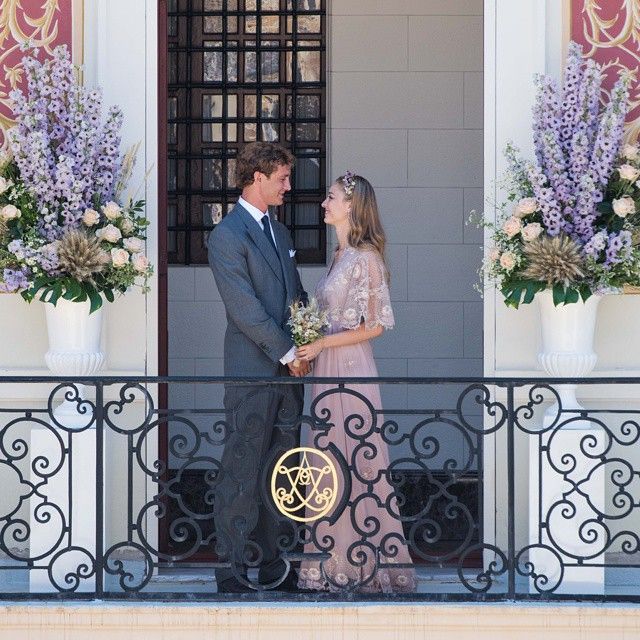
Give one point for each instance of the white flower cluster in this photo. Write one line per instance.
(307, 322)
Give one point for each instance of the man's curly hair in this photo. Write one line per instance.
(264, 157)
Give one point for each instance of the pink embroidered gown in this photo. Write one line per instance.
(367, 536)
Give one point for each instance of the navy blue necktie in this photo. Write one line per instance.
(266, 227)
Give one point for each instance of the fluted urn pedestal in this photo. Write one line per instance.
(62, 542)
(565, 558)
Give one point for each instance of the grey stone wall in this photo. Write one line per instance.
(406, 111)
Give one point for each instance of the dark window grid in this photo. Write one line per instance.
(255, 88)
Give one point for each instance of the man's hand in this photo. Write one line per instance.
(299, 368)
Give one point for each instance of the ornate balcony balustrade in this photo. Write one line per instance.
(476, 489)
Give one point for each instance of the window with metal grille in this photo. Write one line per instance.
(239, 71)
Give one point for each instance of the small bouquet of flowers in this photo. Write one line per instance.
(571, 220)
(64, 232)
(307, 322)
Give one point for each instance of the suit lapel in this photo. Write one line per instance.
(285, 259)
(260, 240)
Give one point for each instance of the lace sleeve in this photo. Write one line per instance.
(367, 295)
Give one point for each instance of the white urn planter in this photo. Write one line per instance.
(74, 349)
(567, 344)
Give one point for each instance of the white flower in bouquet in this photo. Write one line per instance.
(624, 206)
(140, 262)
(507, 260)
(525, 207)
(10, 212)
(307, 322)
(630, 151)
(110, 233)
(5, 184)
(531, 231)
(127, 226)
(90, 217)
(112, 211)
(134, 245)
(512, 226)
(628, 172)
(119, 257)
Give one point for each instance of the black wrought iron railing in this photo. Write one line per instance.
(443, 488)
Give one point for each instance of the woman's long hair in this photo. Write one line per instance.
(365, 230)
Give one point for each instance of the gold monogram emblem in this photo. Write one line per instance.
(310, 484)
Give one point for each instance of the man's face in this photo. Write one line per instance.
(273, 187)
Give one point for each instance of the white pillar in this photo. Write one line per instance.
(66, 539)
(566, 511)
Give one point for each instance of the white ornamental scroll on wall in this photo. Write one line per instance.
(609, 32)
(39, 24)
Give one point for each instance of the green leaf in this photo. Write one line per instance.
(572, 296)
(72, 289)
(558, 294)
(94, 296)
(108, 294)
(585, 292)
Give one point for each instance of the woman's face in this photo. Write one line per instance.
(336, 206)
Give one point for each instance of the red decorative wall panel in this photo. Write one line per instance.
(609, 32)
(42, 23)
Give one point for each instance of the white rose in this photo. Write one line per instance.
(119, 257)
(630, 151)
(112, 211)
(134, 245)
(10, 212)
(5, 184)
(109, 233)
(507, 260)
(140, 262)
(531, 231)
(525, 207)
(624, 206)
(494, 254)
(127, 226)
(90, 217)
(627, 172)
(512, 226)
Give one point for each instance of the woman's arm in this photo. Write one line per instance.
(342, 339)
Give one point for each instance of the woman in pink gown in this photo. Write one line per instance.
(366, 540)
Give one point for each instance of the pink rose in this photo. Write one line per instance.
(525, 207)
(140, 262)
(512, 226)
(531, 231)
(119, 257)
(494, 254)
(624, 206)
(90, 217)
(628, 172)
(507, 260)
(110, 233)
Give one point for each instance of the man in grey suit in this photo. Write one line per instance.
(252, 258)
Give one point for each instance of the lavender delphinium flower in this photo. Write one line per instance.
(13, 280)
(619, 247)
(64, 155)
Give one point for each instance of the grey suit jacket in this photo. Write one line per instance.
(257, 286)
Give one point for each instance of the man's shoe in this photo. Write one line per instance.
(231, 585)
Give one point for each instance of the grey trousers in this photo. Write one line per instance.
(262, 422)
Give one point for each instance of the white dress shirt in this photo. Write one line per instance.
(257, 215)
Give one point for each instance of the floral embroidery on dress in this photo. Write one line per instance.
(358, 289)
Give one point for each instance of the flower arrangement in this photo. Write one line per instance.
(64, 232)
(572, 214)
(307, 322)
